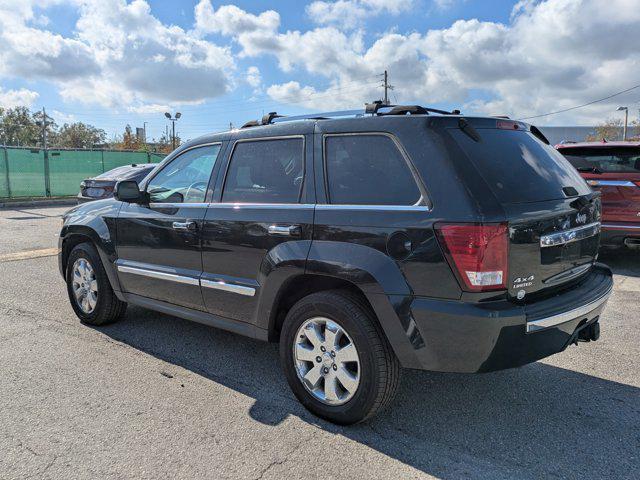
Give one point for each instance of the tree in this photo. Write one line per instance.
(18, 127)
(611, 130)
(79, 135)
(164, 144)
(129, 140)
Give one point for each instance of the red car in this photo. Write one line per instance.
(614, 169)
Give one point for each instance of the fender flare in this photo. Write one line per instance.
(99, 234)
(374, 273)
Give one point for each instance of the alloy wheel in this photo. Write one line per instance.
(326, 361)
(84, 285)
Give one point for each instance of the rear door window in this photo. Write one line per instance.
(518, 167)
(265, 171)
(368, 170)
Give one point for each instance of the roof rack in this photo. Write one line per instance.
(370, 109)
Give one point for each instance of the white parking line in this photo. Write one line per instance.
(43, 252)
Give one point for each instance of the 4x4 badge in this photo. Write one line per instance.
(581, 218)
(522, 282)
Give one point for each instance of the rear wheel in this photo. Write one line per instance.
(90, 292)
(336, 358)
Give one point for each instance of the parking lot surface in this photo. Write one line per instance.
(159, 397)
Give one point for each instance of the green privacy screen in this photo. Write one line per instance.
(28, 172)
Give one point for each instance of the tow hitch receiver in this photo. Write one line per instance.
(588, 333)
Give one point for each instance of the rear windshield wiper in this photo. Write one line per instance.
(468, 129)
(589, 170)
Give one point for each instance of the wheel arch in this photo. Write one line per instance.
(298, 287)
(370, 275)
(74, 235)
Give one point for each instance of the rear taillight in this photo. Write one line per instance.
(477, 253)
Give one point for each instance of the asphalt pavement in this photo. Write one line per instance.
(159, 397)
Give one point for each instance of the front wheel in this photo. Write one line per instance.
(336, 358)
(90, 292)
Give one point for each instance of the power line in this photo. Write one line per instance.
(583, 105)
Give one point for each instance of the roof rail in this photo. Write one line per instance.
(265, 120)
(412, 109)
(322, 116)
(250, 123)
(370, 108)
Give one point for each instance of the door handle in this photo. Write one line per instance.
(291, 230)
(185, 226)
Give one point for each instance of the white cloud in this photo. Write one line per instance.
(120, 56)
(15, 98)
(351, 13)
(231, 20)
(551, 55)
(61, 117)
(253, 77)
(444, 4)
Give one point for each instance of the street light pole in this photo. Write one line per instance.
(626, 119)
(173, 127)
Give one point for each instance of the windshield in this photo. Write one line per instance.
(520, 168)
(604, 160)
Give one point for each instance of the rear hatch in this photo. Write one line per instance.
(553, 216)
(615, 172)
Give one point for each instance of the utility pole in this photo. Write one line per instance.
(387, 87)
(47, 180)
(44, 128)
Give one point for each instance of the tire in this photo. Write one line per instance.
(371, 382)
(101, 305)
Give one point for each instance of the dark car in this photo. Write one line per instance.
(103, 185)
(400, 237)
(613, 168)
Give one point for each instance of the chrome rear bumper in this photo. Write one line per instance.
(584, 310)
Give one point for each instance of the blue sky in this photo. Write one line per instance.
(117, 62)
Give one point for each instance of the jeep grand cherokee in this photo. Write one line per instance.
(397, 237)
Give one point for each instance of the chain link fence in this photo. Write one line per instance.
(33, 172)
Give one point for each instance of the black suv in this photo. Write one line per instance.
(395, 237)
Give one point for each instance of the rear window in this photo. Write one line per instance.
(518, 167)
(600, 159)
(126, 171)
(265, 171)
(368, 169)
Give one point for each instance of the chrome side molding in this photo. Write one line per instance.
(198, 282)
(621, 227)
(228, 287)
(172, 277)
(569, 236)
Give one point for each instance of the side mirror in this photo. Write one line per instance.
(129, 191)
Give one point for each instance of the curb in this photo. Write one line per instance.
(38, 202)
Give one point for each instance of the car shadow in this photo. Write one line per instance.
(532, 422)
(623, 261)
